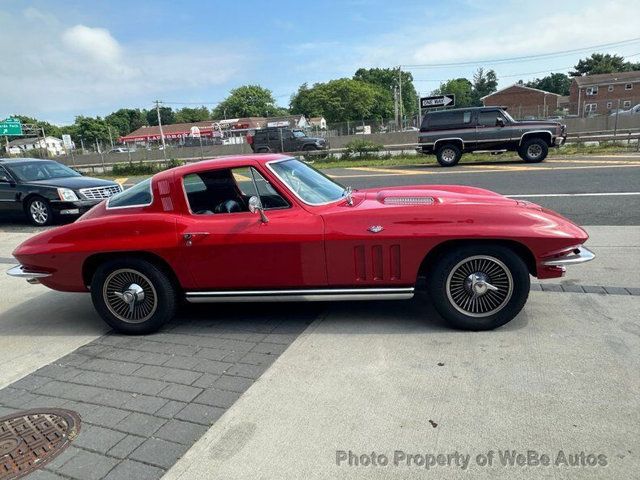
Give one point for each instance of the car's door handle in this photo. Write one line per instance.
(188, 237)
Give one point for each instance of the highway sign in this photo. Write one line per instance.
(66, 141)
(448, 100)
(11, 127)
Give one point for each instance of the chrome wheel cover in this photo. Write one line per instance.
(448, 155)
(479, 286)
(130, 296)
(534, 150)
(39, 212)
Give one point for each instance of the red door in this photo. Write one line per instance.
(236, 251)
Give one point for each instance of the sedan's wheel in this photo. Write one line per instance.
(39, 212)
(448, 155)
(534, 150)
(479, 287)
(133, 296)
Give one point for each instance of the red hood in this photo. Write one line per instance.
(437, 194)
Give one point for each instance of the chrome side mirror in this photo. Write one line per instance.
(255, 206)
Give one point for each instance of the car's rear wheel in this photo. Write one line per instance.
(308, 148)
(39, 211)
(448, 155)
(479, 287)
(263, 150)
(133, 296)
(534, 150)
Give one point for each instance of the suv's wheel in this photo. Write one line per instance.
(448, 154)
(39, 211)
(479, 287)
(133, 296)
(263, 150)
(309, 147)
(533, 150)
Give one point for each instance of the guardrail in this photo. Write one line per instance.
(578, 137)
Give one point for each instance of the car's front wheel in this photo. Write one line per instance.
(534, 150)
(479, 287)
(133, 296)
(39, 212)
(448, 155)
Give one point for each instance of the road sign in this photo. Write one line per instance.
(11, 127)
(66, 141)
(448, 100)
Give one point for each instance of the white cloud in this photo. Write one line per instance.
(92, 43)
(63, 70)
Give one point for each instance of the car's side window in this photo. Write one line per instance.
(226, 191)
(488, 119)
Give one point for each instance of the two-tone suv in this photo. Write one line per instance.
(450, 133)
(276, 139)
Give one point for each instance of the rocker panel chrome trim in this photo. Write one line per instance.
(314, 295)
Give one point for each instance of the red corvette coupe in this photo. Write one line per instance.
(271, 228)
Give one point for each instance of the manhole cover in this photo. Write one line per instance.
(31, 438)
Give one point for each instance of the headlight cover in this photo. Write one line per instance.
(67, 195)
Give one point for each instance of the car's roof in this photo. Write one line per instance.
(17, 160)
(226, 162)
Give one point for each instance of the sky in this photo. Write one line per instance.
(62, 58)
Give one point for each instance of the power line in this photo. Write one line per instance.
(524, 57)
(556, 70)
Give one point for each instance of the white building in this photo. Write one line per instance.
(53, 145)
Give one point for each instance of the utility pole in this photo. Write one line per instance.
(400, 93)
(164, 146)
(395, 105)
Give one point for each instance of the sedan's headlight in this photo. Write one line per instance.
(67, 195)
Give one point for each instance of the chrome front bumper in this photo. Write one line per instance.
(582, 255)
(20, 271)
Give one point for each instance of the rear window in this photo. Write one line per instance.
(441, 120)
(137, 196)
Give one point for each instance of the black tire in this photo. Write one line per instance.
(533, 150)
(450, 286)
(308, 148)
(448, 154)
(39, 211)
(263, 150)
(156, 307)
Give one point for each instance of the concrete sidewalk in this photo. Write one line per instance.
(564, 375)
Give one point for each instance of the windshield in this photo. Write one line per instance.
(299, 133)
(41, 170)
(307, 183)
(509, 117)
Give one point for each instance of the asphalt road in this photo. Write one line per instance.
(589, 189)
(614, 180)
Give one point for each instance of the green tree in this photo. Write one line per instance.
(343, 100)
(387, 79)
(190, 115)
(167, 116)
(126, 120)
(555, 83)
(602, 63)
(91, 130)
(247, 101)
(462, 88)
(483, 84)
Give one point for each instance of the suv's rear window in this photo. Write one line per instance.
(439, 120)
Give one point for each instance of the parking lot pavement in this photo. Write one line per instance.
(563, 376)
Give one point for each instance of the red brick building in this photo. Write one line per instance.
(604, 93)
(524, 101)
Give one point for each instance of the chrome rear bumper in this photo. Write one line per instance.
(20, 271)
(582, 255)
